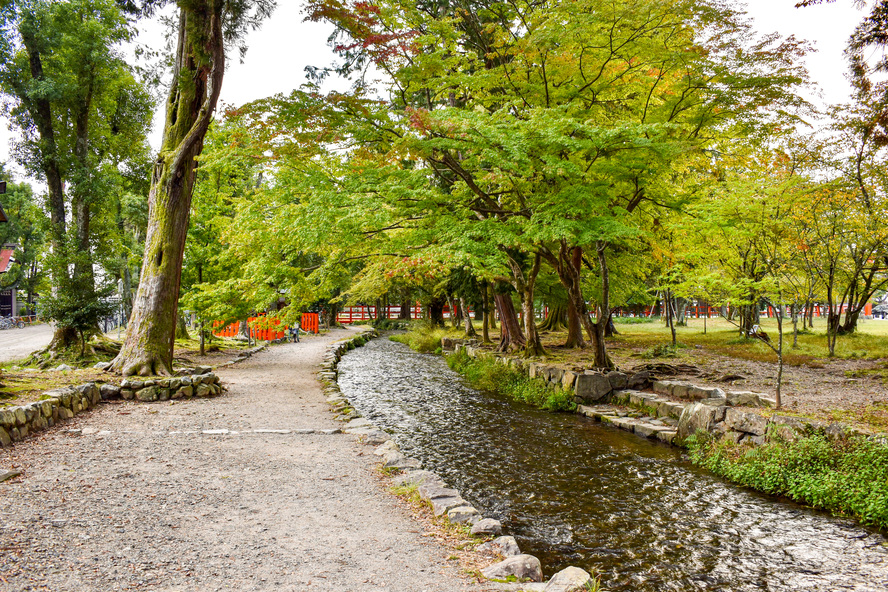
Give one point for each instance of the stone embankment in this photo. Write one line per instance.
(444, 501)
(665, 410)
(62, 404)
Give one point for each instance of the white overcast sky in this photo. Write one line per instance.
(278, 53)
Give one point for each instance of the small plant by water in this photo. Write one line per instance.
(423, 337)
(488, 374)
(845, 476)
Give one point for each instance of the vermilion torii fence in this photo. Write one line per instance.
(309, 323)
(233, 330)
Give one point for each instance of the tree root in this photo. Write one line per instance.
(147, 365)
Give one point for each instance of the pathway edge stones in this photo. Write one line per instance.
(59, 405)
(444, 500)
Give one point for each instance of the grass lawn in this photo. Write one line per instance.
(870, 342)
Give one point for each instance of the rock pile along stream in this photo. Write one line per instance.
(575, 492)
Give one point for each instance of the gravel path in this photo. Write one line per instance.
(19, 343)
(141, 499)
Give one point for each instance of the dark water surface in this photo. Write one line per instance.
(574, 492)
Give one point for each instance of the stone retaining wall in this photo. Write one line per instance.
(444, 501)
(58, 405)
(616, 398)
(177, 387)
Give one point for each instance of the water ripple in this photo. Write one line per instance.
(574, 492)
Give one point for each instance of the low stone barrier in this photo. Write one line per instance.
(62, 404)
(443, 500)
(16, 423)
(176, 387)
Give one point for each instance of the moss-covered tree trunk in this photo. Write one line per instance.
(182, 328)
(197, 80)
(555, 320)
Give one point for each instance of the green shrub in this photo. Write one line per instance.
(422, 337)
(635, 320)
(388, 324)
(665, 350)
(847, 477)
(488, 374)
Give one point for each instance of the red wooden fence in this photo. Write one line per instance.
(310, 322)
(233, 329)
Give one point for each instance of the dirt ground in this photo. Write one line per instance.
(136, 496)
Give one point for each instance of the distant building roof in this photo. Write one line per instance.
(6, 259)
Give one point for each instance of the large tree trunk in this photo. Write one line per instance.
(331, 312)
(568, 266)
(182, 328)
(510, 328)
(574, 327)
(40, 109)
(681, 307)
(197, 80)
(436, 311)
(526, 284)
(470, 328)
(602, 360)
(556, 320)
(485, 322)
(405, 309)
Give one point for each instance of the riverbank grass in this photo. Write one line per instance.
(425, 338)
(844, 476)
(488, 374)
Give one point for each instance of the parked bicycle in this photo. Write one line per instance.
(10, 322)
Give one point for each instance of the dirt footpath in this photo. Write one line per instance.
(19, 343)
(142, 499)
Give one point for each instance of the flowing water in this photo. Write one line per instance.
(575, 492)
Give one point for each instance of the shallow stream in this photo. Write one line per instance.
(575, 492)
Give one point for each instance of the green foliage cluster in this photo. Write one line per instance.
(388, 324)
(663, 350)
(847, 477)
(635, 320)
(78, 306)
(423, 337)
(488, 374)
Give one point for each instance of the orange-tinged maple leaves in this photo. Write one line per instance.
(363, 23)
